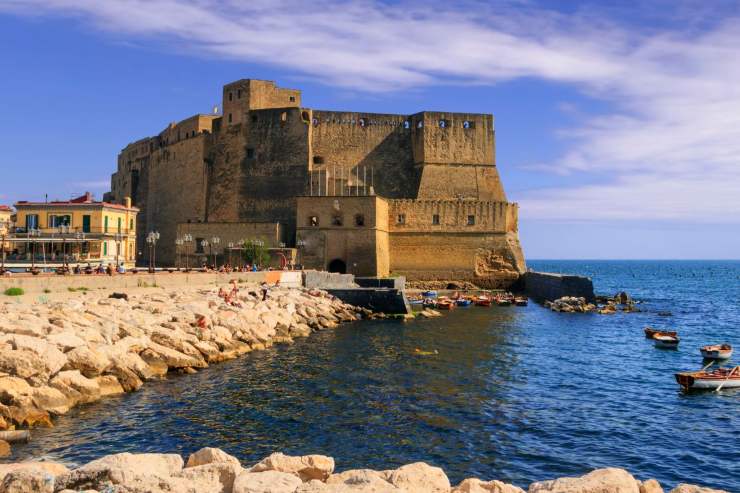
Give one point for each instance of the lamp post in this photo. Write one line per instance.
(119, 237)
(32, 233)
(214, 242)
(187, 240)
(79, 236)
(152, 239)
(178, 251)
(204, 244)
(63, 230)
(301, 244)
(231, 247)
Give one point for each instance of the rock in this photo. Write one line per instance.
(610, 480)
(26, 364)
(420, 478)
(477, 486)
(11, 388)
(65, 341)
(651, 486)
(121, 469)
(622, 298)
(109, 385)
(51, 468)
(27, 481)
(4, 449)
(306, 467)
(76, 387)
(210, 455)
(216, 476)
(51, 357)
(89, 362)
(692, 488)
(51, 399)
(359, 480)
(266, 482)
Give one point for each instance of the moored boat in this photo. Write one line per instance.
(716, 351)
(464, 302)
(429, 294)
(482, 301)
(429, 303)
(445, 305)
(650, 333)
(666, 342)
(503, 301)
(521, 301)
(720, 378)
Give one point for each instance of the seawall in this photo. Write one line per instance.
(548, 286)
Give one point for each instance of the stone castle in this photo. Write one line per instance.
(370, 194)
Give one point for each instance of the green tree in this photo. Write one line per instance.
(255, 252)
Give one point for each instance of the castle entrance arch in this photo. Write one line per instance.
(338, 265)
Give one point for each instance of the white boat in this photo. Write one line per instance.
(721, 378)
(666, 341)
(716, 351)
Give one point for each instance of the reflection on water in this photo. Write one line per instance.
(517, 394)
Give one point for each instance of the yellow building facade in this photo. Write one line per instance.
(78, 230)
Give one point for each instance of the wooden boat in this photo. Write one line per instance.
(666, 341)
(482, 301)
(464, 302)
(503, 301)
(445, 305)
(521, 301)
(650, 333)
(429, 303)
(429, 294)
(716, 351)
(720, 378)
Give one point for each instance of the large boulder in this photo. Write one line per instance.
(109, 385)
(65, 341)
(89, 362)
(651, 486)
(76, 386)
(266, 482)
(26, 364)
(27, 481)
(474, 485)
(359, 480)
(4, 449)
(51, 468)
(51, 399)
(420, 478)
(306, 467)
(121, 469)
(52, 358)
(213, 477)
(692, 488)
(610, 480)
(209, 455)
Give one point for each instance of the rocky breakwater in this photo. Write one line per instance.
(606, 305)
(211, 470)
(54, 356)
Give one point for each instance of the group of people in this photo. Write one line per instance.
(232, 297)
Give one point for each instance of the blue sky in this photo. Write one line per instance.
(618, 127)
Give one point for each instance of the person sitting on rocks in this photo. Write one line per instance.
(265, 290)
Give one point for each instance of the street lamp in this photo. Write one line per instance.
(301, 244)
(178, 250)
(187, 240)
(214, 242)
(33, 232)
(231, 247)
(152, 239)
(79, 236)
(64, 229)
(119, 237)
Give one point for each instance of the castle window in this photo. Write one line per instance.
(199, 245)
(435, 219)
(407, 124)
(315, 122)
(468, 124)
(420, 124)
(292, 99)
(283, 117)
(359, 220)
(313, 221)
(362, 122)
(250, 153)
(254, 118)
(229, 117)
(231, 96)
(318, 160)
(238, 94)
(336, 221)
(401, 219)
(304, 115)
(444, 123)
(471, 220)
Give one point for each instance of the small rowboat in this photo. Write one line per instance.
(710, 380)
(429, 303)
(666, 342)
(482, 301)
(464, 302)
(716, 351)
(446, 305)
(503, 301)
(650, 333)
(429, 294)
(521, 301)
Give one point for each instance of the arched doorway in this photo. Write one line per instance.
(338, 265)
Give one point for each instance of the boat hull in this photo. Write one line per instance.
(666, 343)
(707, 381)
(716, 354)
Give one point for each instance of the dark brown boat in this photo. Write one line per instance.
(650, 333)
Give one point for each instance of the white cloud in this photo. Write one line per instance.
(670, 153)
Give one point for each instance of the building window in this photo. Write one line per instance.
(229, 117)
(250, 153)
(443, 123)
(471, 220)
(32, 222)
(283, 117)
(199, 245)
(231, 96)
(238, 94)
(56, 221)
(86, 223)
(254, 118)
(313, 221)
(105, 224)
(120, 221)
(407, 124)
(131, 225)
(420, 124)
(318, 160)
(292, 99)
(435, 219)
(336, 221)
(361, 121)
(401, 219)
(304, 115)
(105, 248)
(315, 122)
(359, 220)
(468, 124)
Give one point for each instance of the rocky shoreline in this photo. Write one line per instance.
(56, 355)
(211, 470)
